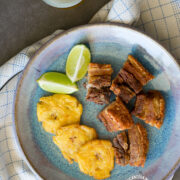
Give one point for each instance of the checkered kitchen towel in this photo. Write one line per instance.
(158, 18)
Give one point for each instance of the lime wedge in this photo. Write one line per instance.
(77, 62)
(57, 83)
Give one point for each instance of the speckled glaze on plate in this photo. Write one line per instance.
(109, 43)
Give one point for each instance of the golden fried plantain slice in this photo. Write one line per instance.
(96, 158)
(58, 110)
(70, 138)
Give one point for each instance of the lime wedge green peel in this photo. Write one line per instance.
(57, 83)
(77, 62)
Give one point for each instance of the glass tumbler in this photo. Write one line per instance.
(62, 3)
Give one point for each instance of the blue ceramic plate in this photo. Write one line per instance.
(109, 43)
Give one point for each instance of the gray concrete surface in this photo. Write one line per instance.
(23, 22)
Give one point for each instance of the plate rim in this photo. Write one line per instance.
(63, 5)
(33, 58)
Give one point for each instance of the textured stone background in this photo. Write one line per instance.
(23, 22)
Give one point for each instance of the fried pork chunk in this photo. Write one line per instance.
(131, 147)
(98, 96)
(120, 142)
(130, 80)
(150, 107)
(139, 72)
(99, 82)
(116, 116)
(121, 89)
(96, 69)
(139, 145)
